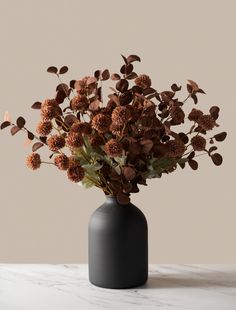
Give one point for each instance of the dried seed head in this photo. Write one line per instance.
(74, 140)
(198, 143)
(175, 148)
(62, 162)
(101, 123)
(143, 81)
(177, 115)
(117, 129)
(33, 161)
(113, 148)
(75, 173)
(55, 142)
(44, 128)
(82, 128)
(49, 109)
(79, 102)
(194, 115)
(206, 122)
(121, 115)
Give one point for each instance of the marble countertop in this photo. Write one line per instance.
(66, 287)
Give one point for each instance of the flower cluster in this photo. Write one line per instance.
(119, 143)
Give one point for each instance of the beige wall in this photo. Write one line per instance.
(191, 215)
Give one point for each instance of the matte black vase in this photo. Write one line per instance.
(118, 245)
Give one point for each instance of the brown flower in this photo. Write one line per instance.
(81, 127)
(120, 115)
(198, 143)
(117, 129)
(73, 161)
(55, 142)
(113, 148)
(206, 122)
(175, 148)
(49, 109)
(74, 140)
(194, 115)
(75, 173)
(143, 81)
(101, 123)
(96, 140)
(44, 128)
(79, 103)
(62, 162)
(33, 161)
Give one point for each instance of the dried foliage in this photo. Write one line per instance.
(119, 143)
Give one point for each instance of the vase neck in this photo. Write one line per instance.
(113, 200)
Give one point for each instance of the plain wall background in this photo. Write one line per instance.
(191, 215)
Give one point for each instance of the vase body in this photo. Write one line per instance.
(118, 245)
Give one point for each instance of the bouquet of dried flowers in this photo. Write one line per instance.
(119, 143)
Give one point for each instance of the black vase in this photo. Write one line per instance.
(118, 245)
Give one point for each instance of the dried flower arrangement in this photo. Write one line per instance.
(119, 145)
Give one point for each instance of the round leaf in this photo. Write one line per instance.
(5, 124)
(52, 70)
(36, 146)
(20, 122)
(63, 70)
(14, 130)
(193, 164)
(220, 136)
(122, 85)
(36, 105)
(217, 159)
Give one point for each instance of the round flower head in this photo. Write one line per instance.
(44, 128)
(79, 102)
(206, 122)
(177, 115)
(75, 173)
(113, 148)
(49, 109)
(62, 162)
(74, 140)
(175, 148)
(117, 129)
(194, 115)
(96, 140)
(120, 115)
(143, 81)
(56, 142)
(33, 161)
(82, 128)
(101, 123)
(198, 143)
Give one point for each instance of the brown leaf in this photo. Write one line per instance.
(95, 105)
(132, 58)
(128, 69)
(125, 59)
(194, 85)
(212, 149)
(63, 70)
(36, 146)
(129, 173)
(189, 88)
(43, 139)
(214, 111)
(60, 96)
(70, 119)
(72, 83)
(115, 76)
(132, 76)
(217, 159)
(191, 155)
(36, 105)
(148, 91)
(122, 85)
(97, 74)
(30, 135)
(52, 70)
(114, 98)
(105, 75)
(220, 136)
(183, 137)
(63, 88)
(14, 130)
(5, 124)
(20, 122)
(126, 97)
(175, 87)
(194, 97)
(193, 164)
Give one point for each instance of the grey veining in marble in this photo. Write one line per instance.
(66, 287)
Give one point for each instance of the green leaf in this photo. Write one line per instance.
(120, 160)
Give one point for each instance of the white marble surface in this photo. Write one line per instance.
(66, 287)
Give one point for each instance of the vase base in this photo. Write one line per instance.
(118, 287)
